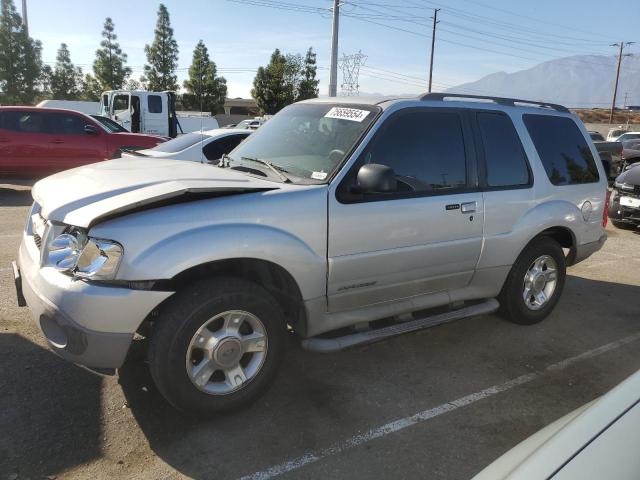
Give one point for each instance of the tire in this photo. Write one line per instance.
(200, 309)
(513, 306)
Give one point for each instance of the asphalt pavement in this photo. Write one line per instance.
(438, 404)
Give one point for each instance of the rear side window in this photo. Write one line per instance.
(154, 103)
(425, 150)
(217, 148)
(25, 122)
(504, 157)
(562, 148)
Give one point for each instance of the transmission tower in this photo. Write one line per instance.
(350, 65)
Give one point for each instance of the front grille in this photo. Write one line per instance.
(38, 240)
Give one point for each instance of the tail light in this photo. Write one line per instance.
(605, 218)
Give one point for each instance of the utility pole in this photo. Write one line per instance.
(621, 46)
(25, 21)
(433, 44)
(333, 74)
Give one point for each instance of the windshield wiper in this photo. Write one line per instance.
(279, 171)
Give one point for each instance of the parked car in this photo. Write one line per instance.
(250, 124)
(610, 154)
(615, 133)
(624, 203)
(335, 213)
(631, 144)
(36, 142)
(203, 147)
(628, 136)
(596, 136)
(597, 441)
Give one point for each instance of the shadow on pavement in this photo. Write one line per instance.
(49, 411)
(319, 397)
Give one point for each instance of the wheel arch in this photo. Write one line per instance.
(274, 278)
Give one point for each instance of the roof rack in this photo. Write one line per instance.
(511, 102)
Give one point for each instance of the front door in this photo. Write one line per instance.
(155, 115)
(426, 236)
(121, 109)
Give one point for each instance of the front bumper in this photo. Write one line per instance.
(85, 323)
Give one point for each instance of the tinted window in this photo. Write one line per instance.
(26, 122)
(563, 150)
(504, 157)
(154, 103)
(65, 124)
(425, 150)
(110, 125)
(215, 149)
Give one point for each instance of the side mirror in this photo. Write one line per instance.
(90, 129)
(376, 178)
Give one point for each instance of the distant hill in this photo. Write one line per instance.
(578, 81)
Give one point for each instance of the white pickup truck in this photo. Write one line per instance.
(152, 113)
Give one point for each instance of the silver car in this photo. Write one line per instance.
(344, 221)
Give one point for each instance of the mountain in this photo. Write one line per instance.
(577, 81)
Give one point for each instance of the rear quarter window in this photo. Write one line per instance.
(562, 148)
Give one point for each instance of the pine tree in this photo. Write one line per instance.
(162, 55)
(271, 89)
(90, 90)
(109, 66)
(20, 58)
(205, 90)
(65, 81)
(308, 86)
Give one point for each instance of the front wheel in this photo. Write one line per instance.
(534, 284)
(217, 345)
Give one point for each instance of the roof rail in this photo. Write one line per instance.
(511, 102)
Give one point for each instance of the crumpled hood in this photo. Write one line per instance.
(631, 176)
(81, 196)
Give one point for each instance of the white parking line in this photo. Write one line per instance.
(402, 423)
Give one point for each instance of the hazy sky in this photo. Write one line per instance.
(475, 37)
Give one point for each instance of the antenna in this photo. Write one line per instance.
(350, 71)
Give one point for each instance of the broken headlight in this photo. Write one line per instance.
(85, 257)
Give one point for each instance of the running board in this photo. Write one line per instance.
(327, 345)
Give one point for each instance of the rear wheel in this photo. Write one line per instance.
(217, 345)
(534, 283)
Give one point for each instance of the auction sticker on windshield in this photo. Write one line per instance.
(342, 113)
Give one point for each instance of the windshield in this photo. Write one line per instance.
(308, 140)
(109, 125)
(179, 144)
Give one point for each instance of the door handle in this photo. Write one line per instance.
(468, 207)
(57, 141)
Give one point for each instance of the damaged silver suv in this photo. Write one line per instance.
(342, 221)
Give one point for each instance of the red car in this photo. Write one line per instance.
(36, 142)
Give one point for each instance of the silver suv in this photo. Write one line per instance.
(342, 221)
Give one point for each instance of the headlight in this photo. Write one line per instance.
(83, 256)
(99, 259)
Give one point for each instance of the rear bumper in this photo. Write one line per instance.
(87, 324)
(584, 251)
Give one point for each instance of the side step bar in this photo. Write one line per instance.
(327, 345)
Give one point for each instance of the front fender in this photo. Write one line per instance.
(174, 254)
(503, 249)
